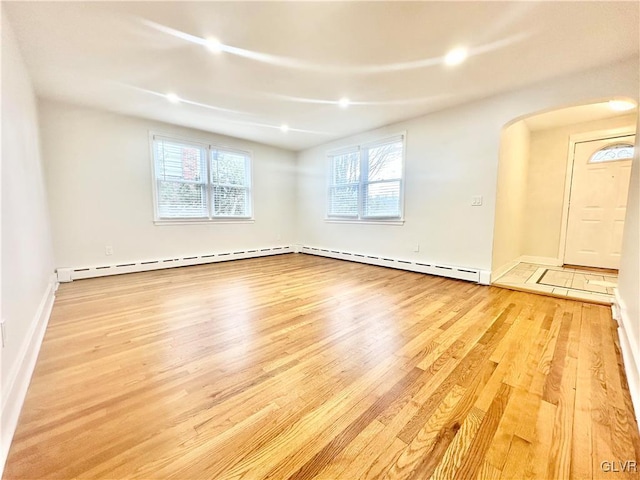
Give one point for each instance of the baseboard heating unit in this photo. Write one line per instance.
(70, 274)
(460, 273)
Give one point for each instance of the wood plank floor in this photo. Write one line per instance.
(304, 367)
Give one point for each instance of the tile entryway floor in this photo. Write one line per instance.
(574, 283)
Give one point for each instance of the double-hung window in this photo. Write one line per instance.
(366, 181)
(196, 181)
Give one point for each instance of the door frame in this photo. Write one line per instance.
(573, 139)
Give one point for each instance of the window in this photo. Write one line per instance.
(613, 153)
(196, 181)
(366, 181)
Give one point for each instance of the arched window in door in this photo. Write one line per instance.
(613, 153)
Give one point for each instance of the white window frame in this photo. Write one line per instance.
(208, 148)
(363, 182)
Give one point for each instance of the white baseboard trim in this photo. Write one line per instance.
(19, 377)
(551, 261)
(460, 273)
(485, 277)
(77, 273)
(630, 353)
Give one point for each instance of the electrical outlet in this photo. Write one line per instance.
(108, 250)
(476, 201)
(416, 248)
(3, 333)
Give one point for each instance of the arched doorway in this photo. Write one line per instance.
(561, 197)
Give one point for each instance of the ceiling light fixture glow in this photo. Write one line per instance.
(214, 45)
(173, 98)
(621, 105)
(284, 128)
(456, 56)
(344, 102)
(296, 63)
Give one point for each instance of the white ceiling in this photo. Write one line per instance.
(289, 63)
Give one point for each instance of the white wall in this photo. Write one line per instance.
(629, 283)
(100, 191)
(27, 255)
(546, 182)
(450, 156)
(511, 198)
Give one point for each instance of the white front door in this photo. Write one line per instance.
(598, 202)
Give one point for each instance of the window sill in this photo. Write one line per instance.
(399, 221)
(203, 222)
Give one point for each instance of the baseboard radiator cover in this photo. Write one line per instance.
(459, 273)
(77, 273)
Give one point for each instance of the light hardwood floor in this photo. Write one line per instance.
(304, 367)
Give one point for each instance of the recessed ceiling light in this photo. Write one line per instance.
(344, 102)
(214, 45)
(284, 128)
(173, 98)
(621, 105)
(456, 56)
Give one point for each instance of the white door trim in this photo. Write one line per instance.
(573, 139)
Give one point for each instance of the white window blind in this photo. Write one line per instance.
(344, 192)
(197, 181)
(366, 181)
